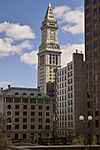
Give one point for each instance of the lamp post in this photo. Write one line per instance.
(89, 118)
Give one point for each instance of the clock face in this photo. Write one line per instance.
(52, 35)
(52, 32)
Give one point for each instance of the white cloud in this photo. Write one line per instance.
(72, 19)
(8, 48)
(61, 10)
(67, 51)
(30, 58)
(5, 83)
(17, 31)
(15, 39)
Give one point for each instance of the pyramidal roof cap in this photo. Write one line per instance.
(49, 14)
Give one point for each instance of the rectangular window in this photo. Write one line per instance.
(24, 106)
(56, 60)
(8, 120)
(71, 124)
(8, 127)
(16, 126)
(24, 113)
(32, 113)
(47, 113)
(47, 120)
(96, 123)
(68, 95)
(40, 113)
(24, 136)
(95, 33)
(9, 99)
(33, 100)
(24, 119)
(40, 101)
(16, 113)
(50, 58)
(8, 113)
(24, 126)
(16, 106)
(40, 120)
(68, 124)
(47, 127)
(24, 100)
(17, 100)
(16, 119)
(32, 126)
(16, 136)
(97, 113)
(40, 107)
(71, 95)
(32, 119)
(32, 106)
(47, 101)
(40, 127)
(95, 44)
(88, 104)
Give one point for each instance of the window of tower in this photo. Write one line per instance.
(50, 58)
(50, 71)
(56, 60)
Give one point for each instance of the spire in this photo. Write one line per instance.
(49, 5)
(49, 14)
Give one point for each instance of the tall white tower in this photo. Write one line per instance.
(49, 55)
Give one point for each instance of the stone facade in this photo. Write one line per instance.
(92, 54)
(71, 96)
(49, 55)
(26, 114)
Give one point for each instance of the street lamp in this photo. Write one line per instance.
(82, 118)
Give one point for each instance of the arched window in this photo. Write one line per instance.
(24, 93)
(16, 93)
(39, 94)
(32, 94)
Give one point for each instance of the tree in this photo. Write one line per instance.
(5, 143)
(94, 140)
(78, 140)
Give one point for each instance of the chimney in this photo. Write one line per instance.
(9, 86)
(39, 88)
(1, 89)
(76, 50)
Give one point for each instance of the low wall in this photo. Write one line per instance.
(76, 147)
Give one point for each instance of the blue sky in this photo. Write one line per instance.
(20, 36)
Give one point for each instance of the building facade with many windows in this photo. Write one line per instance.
(49, 55)
(92, 54)
(26, 114)
(71, 96)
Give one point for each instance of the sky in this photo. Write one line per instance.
(20, 36)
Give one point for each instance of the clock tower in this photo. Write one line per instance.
(49, 55)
